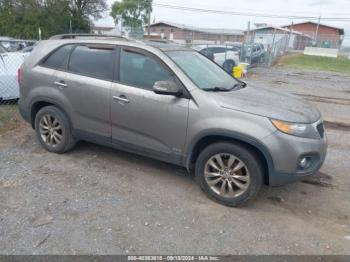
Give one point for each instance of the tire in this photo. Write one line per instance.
(228, 66)
(49, 121)
(249, 177)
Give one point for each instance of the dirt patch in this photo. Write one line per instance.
(279, 82)
(324, 99)
(320, 179)
(337, 125)
(10, 118)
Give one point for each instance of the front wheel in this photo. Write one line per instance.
(229, 173)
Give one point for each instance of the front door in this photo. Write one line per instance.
(143, 121)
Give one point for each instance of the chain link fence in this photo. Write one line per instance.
(12, 55)
(261, 51)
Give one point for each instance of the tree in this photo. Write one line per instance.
(22, 18)
(133, 13)
(86, 8)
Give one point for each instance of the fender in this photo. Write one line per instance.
(45, 99)
(231, 135)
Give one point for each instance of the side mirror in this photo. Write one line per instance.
(167, 88)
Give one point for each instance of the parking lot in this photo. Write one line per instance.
(96, 200)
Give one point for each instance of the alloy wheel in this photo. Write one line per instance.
(227, 175)
(50, 130)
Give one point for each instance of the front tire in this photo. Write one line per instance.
(229, 173)
(53, 130)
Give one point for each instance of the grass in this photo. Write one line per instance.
(300, 61)
(10, 118)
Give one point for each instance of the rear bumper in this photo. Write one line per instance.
(287, 151)
(25, 113)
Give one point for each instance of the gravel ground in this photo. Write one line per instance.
(96, 200)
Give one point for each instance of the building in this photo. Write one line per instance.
(323, 35)
(105, 30)
(194, 35)
(270, 35)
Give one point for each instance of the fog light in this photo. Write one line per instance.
(304, 162)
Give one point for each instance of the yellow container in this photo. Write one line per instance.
(237, 71)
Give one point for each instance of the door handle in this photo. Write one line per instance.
(61, 84)
(122, 99)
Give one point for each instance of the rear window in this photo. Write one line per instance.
(92, 61)
(57, 58)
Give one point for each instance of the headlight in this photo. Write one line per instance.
(289, 128)
(296, 129)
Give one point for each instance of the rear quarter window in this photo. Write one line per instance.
(57, 58)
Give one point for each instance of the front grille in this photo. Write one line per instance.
(320, 129)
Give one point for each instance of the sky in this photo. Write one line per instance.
(323, 8)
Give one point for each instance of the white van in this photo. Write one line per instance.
(9, 65)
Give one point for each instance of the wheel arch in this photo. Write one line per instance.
(252, 144)
(41, 103)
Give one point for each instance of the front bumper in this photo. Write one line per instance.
(286, 152)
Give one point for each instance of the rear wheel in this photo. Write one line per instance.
(229, 173)
(54, 130)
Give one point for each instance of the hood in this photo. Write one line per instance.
(268, 103)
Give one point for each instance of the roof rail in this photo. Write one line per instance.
(164, 41)
(74, 36)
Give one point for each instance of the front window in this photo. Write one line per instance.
(140, 70)
(203, 72)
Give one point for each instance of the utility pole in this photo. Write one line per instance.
(290, 33)
(70, 24)
(272, 52)
(317, 28)
(248, 33)
(149, 20)
(149, 25)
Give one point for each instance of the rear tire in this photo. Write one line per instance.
(54, 130)
(239, 170)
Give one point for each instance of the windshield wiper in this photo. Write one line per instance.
(224, 89)
(240, 84)
(219, 89)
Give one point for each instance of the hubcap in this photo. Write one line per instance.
(50, 130)
(227, 175)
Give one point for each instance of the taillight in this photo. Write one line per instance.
(19, 76)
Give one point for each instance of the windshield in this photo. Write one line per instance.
(203, 72)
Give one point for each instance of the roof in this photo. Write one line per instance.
(281, 29)
(87, 36)
(203, 30)
(162, 45)
(316, 23)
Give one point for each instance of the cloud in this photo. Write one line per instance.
(319, 3)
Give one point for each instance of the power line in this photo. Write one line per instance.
(273, 11)
(251, 14)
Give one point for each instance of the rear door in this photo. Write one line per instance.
(143, 121)
(86, 85)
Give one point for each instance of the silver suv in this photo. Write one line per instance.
(173, 104)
